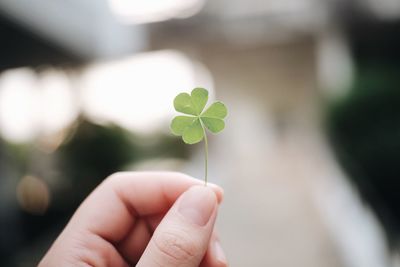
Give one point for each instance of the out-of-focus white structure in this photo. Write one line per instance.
(85, 28)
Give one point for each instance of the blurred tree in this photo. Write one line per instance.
(93, 153)
(365, 131)
(365, 126)
(89, 154)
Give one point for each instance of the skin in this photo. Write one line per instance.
(135, 219)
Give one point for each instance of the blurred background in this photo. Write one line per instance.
(310, 157)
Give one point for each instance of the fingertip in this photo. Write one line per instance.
(219, 253)
(183, 235)
(219, 191)
(215, 256)
(198, 204)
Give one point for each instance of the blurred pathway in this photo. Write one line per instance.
(286, 202)
(269, 217)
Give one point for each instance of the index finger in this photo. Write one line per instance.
(111, 209)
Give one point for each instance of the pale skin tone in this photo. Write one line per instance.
(144, 219)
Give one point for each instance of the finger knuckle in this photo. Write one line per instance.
(177, 247)
(91, 250)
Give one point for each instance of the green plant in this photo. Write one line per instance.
(192, 126)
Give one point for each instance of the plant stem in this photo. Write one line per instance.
(205, 154)
(205, 158)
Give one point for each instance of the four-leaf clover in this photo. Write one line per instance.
(192, 126)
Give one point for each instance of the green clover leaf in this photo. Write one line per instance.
(192, 127)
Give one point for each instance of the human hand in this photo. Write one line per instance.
(146, 219)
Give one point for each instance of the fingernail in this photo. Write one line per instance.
(197, 204)
(219, 252)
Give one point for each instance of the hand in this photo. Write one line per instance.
(148, 219)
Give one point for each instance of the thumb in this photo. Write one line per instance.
(182, 237)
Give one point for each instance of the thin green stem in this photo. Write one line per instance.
(205, 154)
(205, 158)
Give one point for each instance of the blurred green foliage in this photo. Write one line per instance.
(94, 152)
(89, 154)
(364, 128)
